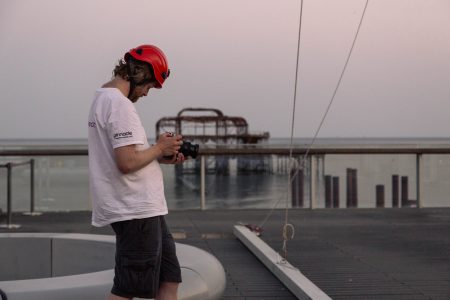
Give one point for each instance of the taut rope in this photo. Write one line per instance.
(301, 166)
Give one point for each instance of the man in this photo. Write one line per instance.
(126, 181)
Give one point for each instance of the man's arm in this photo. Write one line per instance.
(129, 159)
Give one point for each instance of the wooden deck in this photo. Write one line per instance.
(348, 253)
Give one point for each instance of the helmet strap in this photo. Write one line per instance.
(131, 80)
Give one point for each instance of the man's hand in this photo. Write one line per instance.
(169, 144)
(176, 159)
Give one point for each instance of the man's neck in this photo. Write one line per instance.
(119, 83)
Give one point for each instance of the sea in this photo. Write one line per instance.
(61, 182)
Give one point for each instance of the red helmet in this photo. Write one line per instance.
(155, 57)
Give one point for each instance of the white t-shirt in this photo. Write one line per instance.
(113, 122)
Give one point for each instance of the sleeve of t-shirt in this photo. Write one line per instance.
(124, 126)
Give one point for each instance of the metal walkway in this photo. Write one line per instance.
(348, 253)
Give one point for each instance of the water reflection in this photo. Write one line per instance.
(226, 189)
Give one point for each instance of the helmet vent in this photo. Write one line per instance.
(164, 75)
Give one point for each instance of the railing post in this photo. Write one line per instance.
(31, 185)
(202, 183)
(8, 194)
(418, 180)
(9, 199)
(32, 212)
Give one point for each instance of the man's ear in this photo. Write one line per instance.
(141, 73)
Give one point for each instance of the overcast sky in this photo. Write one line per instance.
(235, 55)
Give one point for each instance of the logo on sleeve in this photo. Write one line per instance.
(123, 135)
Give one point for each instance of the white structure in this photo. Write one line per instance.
(51, 266)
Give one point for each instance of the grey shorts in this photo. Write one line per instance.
(145, 256)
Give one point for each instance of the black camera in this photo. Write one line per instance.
(189, 149)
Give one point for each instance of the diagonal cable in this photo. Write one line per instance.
(303, 160)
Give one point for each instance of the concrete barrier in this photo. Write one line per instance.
(51, 266)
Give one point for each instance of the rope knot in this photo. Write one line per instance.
(287, 237)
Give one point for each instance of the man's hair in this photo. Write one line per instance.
(140, 71)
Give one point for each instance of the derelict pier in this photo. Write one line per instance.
(209, 127)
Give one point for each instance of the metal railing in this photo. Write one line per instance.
(246, 150)
(9, 167)
(315, 153)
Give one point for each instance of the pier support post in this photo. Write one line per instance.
(336, 192)
(328, 191)
(317, 178)
(379, 191)
(404, 199)
(352, 188)
(297, 187)
(395, 190)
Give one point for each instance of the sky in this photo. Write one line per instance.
(238, 56)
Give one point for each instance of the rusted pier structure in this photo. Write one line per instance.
(209, 126)
(206, 125)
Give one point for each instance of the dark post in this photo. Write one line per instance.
(336, 192)
(297, 188)
(328, 191)
(379, 191)
(349, 188)
(394, 190)
(32, 212)
(404, 191)
(355, 187)
(294, 189)
(8, 194)
(32, 185)
(352, 188)
(300, 177)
